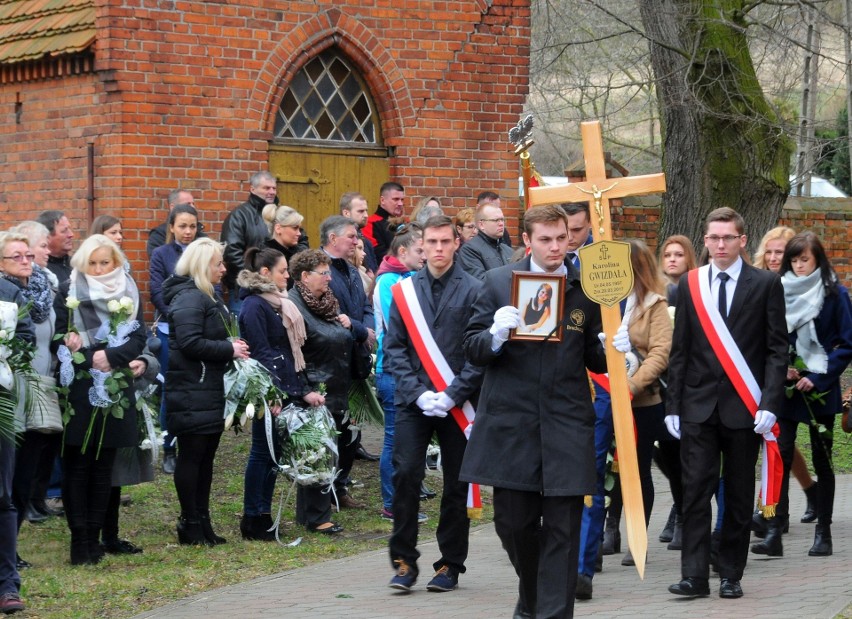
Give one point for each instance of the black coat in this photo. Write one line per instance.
(199, 354)
(447, 323)
(535, 423)
(117, 432)
(347, 286)
(482, 253)
(698, 383)
(328, 355)
(243, 228)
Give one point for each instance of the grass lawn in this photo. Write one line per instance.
(122, 586)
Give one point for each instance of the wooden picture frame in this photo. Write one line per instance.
(541, 317)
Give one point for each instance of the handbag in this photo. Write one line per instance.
(362, 360)
(45, 415)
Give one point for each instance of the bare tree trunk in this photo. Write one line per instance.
(722, 144)
(848, 46)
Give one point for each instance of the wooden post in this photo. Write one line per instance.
(601, 190)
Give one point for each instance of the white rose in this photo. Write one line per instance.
(145, 445)
(113, 306)
(72, 303)
(250, 410)
(243, 419)
(229, 421)
(126, 303)
(3, 334)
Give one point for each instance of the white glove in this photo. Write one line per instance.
(426, 402)
(443, 403)
(763, 422)
(621, 340)
(505, 318)
(673, 425)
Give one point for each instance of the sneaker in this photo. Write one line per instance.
(10, 603)
(444, 579)
(386, 514)
(405, 577)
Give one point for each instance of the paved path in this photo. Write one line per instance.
(796, 586)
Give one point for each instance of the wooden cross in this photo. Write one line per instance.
(598, 190)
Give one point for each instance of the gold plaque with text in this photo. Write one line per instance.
(606, 274)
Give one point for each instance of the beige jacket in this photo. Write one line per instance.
(650, 331)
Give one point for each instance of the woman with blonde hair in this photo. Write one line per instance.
(199, 353)
(285, 231)
(427, 207)
(84, 306)
(770, 252)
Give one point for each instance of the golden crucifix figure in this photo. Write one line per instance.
(607, 278)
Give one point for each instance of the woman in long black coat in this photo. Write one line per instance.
(98, 280)
(199, 353)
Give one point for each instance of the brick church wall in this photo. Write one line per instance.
(184, 94)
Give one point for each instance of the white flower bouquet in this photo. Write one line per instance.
(308, 441)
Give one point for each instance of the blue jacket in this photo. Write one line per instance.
(834, 332)
(347, 287)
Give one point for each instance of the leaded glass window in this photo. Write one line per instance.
(327, 100)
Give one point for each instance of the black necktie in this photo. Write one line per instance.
(723, 294)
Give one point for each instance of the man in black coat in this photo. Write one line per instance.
(486, 250)
(707, 413)
(533, 439)
(445, 295)
(60, 241)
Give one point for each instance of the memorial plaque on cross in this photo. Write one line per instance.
(607, 278)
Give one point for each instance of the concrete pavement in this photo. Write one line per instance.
(356, 587)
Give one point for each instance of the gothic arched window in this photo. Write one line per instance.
(327, 100)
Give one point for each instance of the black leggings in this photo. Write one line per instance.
(86, 486)
(194, 473)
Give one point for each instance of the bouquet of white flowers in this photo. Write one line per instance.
(308, 441)
(249, 387)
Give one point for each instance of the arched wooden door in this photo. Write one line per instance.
(327, 140)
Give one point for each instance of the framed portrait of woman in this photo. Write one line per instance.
(540, 299)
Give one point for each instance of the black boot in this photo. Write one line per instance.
(771, 545)
(677, 535)
(822, 541)
(668, 531)
(80, 547)
(96, 551)
(611, 537)
(207, 529)
(599, 559)
(257, 528)
(810, 514)
(189, 533)
(759, 524)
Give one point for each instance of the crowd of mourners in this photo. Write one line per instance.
(403, 292)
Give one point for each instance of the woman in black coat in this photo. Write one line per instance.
(199, 353)
(98, 282)
(819, 323)
(275, 331)
(327, 351)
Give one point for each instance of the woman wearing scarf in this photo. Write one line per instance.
(199, 353)
(18, 266)
(404, 258)
(819, 321)
(285, 231)
(328, 354)
(275, 332)
(97, 284)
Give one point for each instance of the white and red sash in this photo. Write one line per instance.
(741, 377)
(436, 367)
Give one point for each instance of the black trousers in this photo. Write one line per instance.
(86, 484)
(702, 446)
(194, 473)
(346, 448)
(821, 456)
(412, 434)
(27, 459)
(541, 535)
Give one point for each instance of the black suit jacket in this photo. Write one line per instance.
(447, 323)
(697, 381)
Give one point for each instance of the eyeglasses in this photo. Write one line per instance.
(496, 220)
(321, 273)
(728, 238)
(471, 226)
(19, 258)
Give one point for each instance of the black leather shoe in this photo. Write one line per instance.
(730, 589)
(331, 530)
(521, 611)
(584, 587)
(120, 547)
(691, 587)
(363, 454)
(33, 516)
(21, 564)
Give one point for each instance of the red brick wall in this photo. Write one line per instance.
(829, 218)
(184, 94)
